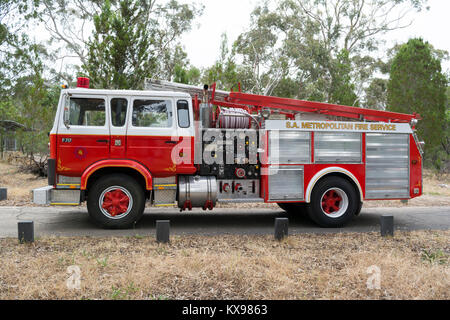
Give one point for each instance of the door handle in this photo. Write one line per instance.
(171, 142)
(102, 141)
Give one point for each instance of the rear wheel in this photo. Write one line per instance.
(116, 201)
(334, 202)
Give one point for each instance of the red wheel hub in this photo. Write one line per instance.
(331, 202)
(116, 202)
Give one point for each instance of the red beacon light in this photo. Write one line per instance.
(83, 82)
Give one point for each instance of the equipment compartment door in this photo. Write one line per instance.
(387, 167)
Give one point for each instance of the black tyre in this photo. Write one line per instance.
(116, 201)
(358, 211)
(294, 208)
(334, 202)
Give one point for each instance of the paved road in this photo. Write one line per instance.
(76, 222)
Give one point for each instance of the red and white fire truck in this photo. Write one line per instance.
(174, 144)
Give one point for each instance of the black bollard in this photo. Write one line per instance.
(387, 225)
(281, 228)
(25, 231)
(3, 194)
(163, 231)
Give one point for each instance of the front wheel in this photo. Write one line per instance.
(334, 202)
(116, 201)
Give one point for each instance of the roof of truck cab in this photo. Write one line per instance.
(145, 93)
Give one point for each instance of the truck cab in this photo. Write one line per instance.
(143, 127)
(120, 134)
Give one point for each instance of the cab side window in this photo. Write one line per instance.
(87, 112)
(183, 114)
(152, 113)
(118, 111)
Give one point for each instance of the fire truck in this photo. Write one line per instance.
(193, 147)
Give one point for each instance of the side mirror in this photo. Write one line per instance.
(67, 111)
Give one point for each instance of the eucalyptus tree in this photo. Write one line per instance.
(224, 72)
(73, 27)
(417, 84)
(323, 45)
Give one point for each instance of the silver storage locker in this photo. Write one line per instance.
(286, 183)
(337, 147)
(287, 147)
(387, 166)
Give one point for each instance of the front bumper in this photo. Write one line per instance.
(58, 197)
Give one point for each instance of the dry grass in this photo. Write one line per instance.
(19, 185)
(414, 265)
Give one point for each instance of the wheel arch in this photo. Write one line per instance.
(333, 171)
(129, 167)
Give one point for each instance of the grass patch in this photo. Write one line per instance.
(437, 256)
(433, 193)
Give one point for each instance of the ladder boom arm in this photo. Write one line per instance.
(239, 99)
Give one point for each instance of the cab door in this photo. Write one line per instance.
(118, 111)
(152, 134)
(185, 128)
(83, 133)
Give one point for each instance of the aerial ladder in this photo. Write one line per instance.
(254, 104)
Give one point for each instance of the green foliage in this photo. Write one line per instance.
(8, 110)
(224, 72)
(118, 50)
(288, 88)
(190, 76)
(435, 257)
(376, 94)
(178, 68)
(325, 48)
(132, 42)
(445, 153)
(342, 91)
(24, 95)
(417, 84)
(36, 106)
(263, 52)
(102, 262)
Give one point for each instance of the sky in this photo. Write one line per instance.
(203, 42)
(233, 17)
